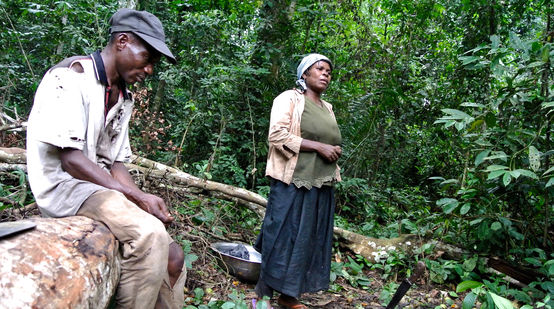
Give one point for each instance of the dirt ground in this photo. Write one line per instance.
(207, 274)
(217, 284)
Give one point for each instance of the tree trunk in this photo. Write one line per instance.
(70, 262)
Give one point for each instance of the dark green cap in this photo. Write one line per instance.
(143, 24)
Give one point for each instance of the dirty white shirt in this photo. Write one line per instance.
(69, 111)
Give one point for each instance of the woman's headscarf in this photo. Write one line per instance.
(305, 64)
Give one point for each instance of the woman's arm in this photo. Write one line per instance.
(329, 152)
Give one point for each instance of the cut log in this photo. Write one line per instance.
(69, 262)
(374, 249)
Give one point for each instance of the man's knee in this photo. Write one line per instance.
(175, 262)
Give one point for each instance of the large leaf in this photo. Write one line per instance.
(527, 173)
(496, 174)
(548, 170)
(506, 179)
(455, 114)
(501, 302)
(495, 167)
(448, 204)
(481, 157)
(550, 182)
(465, 285)
(469, 300)
(534, 158)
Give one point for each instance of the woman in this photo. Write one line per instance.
(304, 146)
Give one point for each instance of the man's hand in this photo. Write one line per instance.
(155, 206)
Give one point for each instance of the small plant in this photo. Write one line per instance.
(481, 292)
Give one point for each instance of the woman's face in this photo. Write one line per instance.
(318, 76)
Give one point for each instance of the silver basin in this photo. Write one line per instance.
(247, 270)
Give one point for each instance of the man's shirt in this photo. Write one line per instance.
(70, 111)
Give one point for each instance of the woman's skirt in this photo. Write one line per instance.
(296, 239)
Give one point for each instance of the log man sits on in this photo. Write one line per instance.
(78, 142)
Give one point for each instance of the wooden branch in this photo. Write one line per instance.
(11, 126)
(13, 155)
(8, 167)
(180, 177)
(258, 209)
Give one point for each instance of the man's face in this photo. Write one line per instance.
(136, 60)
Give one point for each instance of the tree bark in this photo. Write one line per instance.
(69, 262)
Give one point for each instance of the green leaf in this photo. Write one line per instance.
(501, 302)
(527, 173)
(534, 158)
(465, 285)
(469, 301)
(481, 157)
(495, 167)
(465, 209)
(468, 59)
(495, 174)
(548, 171)
(495, 226)
(228, 305)
(506, 179)
(455, 113)
(448, 204)
(547, 104)
(550, 182)
(533, 261)
(470, 104)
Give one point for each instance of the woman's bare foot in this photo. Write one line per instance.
(290, 302)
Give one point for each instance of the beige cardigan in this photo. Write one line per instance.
(284, 135)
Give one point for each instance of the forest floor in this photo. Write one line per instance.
(206, 281)
(217, 284)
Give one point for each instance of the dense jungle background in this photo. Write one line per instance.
(445, 108)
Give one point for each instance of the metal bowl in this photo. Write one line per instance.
(247, 270)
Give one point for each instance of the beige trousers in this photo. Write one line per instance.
(144, 246)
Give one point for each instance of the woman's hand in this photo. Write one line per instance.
(328, 152)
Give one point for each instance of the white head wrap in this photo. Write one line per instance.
(306, 63)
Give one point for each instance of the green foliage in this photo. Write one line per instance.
(481, 177)
(479, 291)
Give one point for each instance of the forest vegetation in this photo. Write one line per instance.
(445, 107)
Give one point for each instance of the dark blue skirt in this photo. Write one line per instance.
(296, 238)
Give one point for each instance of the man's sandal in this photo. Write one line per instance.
(291, 305)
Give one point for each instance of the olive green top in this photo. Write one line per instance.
(318, 125)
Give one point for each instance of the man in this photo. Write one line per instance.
(78, 142)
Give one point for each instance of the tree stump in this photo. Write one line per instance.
(68, 262)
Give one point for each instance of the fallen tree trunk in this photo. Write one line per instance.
(181, 181)
(69, 262)
(374, 249)
(155, 169)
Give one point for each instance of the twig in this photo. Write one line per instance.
(20, 45)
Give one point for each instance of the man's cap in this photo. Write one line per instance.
(308, 61)
(143, 24)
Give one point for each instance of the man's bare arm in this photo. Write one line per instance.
(79, 166)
